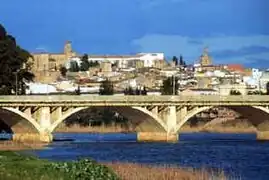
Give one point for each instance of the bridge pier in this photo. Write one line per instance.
(262, 135)
(33, 137)
(157, 137)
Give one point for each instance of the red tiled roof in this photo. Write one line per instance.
(235, 67)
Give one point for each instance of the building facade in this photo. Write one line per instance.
(45, 61)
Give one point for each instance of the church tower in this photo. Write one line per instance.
(205, 59)
(68, 49)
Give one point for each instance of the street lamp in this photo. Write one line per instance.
(16, 75)
(174, 85)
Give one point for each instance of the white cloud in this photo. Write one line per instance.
(192, 48)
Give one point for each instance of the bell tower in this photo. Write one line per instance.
(68, 49)
(205, 59)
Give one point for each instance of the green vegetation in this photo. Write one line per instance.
(170, 86)
(180, 62)
(63, 71)
(267, 88)
(106, 88)
(137, 91)
(93, 63)
(235, 92)
(14, 166)
(96, 117)
(74, 67)
(85, 64)
(15, 65)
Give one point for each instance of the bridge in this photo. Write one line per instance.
(156, 118)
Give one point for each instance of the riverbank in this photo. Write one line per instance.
(9, 145)
(185, 129)
(14, 166)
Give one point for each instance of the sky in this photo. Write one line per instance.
(235, 31)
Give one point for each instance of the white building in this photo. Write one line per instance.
(39, 88)
(148, 59)
(264, 79)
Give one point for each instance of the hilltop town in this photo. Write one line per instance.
(65, 72)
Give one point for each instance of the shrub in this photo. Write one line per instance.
(83, 170)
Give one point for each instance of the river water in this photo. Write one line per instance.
(239, 155)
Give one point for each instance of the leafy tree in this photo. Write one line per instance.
(78, 90)
(15, 66)
(144, 91)
(74, 66)
(235, 92)
(181, 61)
(93, 63)
(129, 91)
(85, 64)
(267, 88)
(170, 86)
(106, 88)
(175, 60)
(137, 91)
(63, 71)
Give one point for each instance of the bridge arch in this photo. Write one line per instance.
(255, 114)
(145, 120)
(18, 121)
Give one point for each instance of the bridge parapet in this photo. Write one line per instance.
(95, 100)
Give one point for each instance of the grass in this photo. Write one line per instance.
(14, 166)
(146, 172)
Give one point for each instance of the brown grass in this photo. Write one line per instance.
(119, 129)
(129, 171)
(100, 129)
(16, 146)
(219, 129)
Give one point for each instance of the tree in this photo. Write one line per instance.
(93, 63)
(106, 88)
(267, 88)
(144, 91)
(137, 91)
(170, 86)
(235, 92)
(85, 64)
(77, 91)
(63, 71)
(15, 65)
(175, 60)
(74, 66)
(129, 91)
(181, 61)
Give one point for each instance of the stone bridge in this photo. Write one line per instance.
(157, 118)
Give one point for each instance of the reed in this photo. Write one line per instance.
(130, 171)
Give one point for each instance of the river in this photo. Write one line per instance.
(239, 155)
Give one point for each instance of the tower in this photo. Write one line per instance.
(205, 59)
(68, 49)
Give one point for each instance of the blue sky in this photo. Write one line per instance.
(236, 31)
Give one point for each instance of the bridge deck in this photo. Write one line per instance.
(95, 100)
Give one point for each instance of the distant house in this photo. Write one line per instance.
(199, 91)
